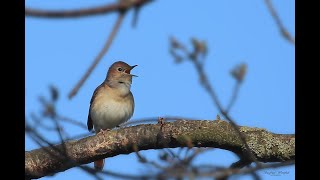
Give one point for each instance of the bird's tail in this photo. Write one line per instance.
(98, 165)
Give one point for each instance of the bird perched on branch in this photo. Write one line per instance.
(112, 102)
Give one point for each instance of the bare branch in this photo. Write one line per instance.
(284, 32)
(58, 130)
(267, 147)
(72, 121)
(234, 96)
(142, 159)
(196, 151)
(238, 73)
(136, 11)
(104, 50)
(38, 123)
(109, 8)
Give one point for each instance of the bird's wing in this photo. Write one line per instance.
(132, 102)
(89, 122)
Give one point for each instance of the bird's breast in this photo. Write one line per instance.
(108, 112)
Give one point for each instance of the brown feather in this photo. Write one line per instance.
(89, 122)
(98, 165)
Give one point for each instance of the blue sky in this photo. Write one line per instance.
(59, 51)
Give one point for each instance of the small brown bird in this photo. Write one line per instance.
(112, 102)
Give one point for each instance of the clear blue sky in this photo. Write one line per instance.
(59, 51)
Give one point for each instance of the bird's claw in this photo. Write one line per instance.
(103, 131)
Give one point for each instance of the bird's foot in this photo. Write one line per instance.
(161, 121)
(103, 131)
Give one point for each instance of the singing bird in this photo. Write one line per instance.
(112, 102)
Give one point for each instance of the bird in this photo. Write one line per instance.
(112, 102)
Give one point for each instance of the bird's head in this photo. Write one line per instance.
(120, 72)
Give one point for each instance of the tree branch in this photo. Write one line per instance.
(284, 32)
(109, 8)
(266, 146)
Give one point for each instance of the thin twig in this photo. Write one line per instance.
(196, 152)
(71, 121)
(136, 11)
(180, 151)
(58, 129)
(104, 50)
(234, 96)
(284, 32)
(173, 154)
(254, 174)
(38, 122)
(114, 174)
(142, 159)
(109, 8)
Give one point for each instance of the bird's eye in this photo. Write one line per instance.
(120, 69)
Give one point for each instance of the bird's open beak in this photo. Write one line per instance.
(128, 71)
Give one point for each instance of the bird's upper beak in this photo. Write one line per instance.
(128, 71)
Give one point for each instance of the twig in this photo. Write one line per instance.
(144, 160)
(58, 129)
(180, 151)
(136, 11)
(234, 96)
(71, 121)
(254, 174)
(104, 50)
(238, 73)
(196, 151)
(109, 8)
(173, 155)
(38, 123)
(114, 174)
(284, 32)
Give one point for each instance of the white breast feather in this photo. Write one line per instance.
(109, 113)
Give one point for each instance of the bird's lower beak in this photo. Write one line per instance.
(128, 71)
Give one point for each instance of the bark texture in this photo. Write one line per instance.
(266, 146)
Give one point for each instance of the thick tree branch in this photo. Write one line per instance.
(266, 146)
(109, 8)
